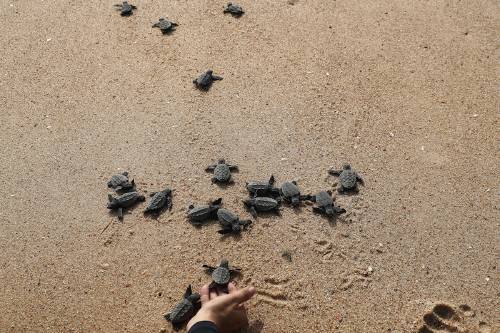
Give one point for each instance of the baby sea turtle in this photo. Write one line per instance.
(199, 214)
(263, 188)
(222, 171)
(230, 222)
(204, 81)
(234, 9)
(123, 201)
(262, 204)
(221, 275)
(291, 193)
(121, 183)
(159, 200)
(165, 25)
(325, 204)
(125, 8)
(185, 309)
(349, 179)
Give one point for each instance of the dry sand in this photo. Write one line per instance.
(404, 90)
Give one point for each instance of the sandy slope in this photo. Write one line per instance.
(404, 90)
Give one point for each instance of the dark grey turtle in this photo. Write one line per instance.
(125, 8)
(121, 183)
(221, 275)
(221, 171)
(230, 222)
(234, 9)
(291, 193)
(124, 201)
(204, 81)
(326, 205)
(159, 200)
(200, 214)
(263, 188)
(262, 204)
(349, 179)
(165, 25)
(185, 309)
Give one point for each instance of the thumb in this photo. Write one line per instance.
(239, 296)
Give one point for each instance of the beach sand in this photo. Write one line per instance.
(405, 91)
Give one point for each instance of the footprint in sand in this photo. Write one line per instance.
(444, 318)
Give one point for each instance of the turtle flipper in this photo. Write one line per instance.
(253, 212)
(189, 292)
(218, 78)
(120, 213)
(318, 210)
(360, 179)
(334, 172)
(209, 168)
(339, 210)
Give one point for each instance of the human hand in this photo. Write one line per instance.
(226, 311)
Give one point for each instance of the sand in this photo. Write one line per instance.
(406, 91)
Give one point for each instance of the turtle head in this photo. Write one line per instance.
(221, 160)
(247, 202)
(210, 72)
(125, 173)
(329, 210)
(347, 166)
(271, 180)
(194, 298)
(224, 262)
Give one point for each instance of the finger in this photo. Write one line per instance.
(213, 293)
(231, 288)
(205, 294)
(238, 296)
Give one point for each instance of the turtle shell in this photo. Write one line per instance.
(126, 200)
(204, 79)
(324, 199)
(234, 9)
(222, 172)
(199, 213)
(264, 203)
(289, 190)
(221, 275)
(119, 181)
(226, 217)
(158, 201)
(348, 179)
(182, 311)
(253, 187)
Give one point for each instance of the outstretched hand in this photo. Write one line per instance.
(226, 311)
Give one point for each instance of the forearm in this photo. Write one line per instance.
(204, 327)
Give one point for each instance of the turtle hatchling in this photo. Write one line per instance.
(185, 309)
(326, 205)
(263, 188)
(221, 275)
(165, 25)
(234, 9)
(204, 81)
(124, 201)
(262, 204)
(291, 193)
(230, 222)
(125, 8)
(349, 179)
(159, 200)
(221, 171)
(121, 183)
(199, 214)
